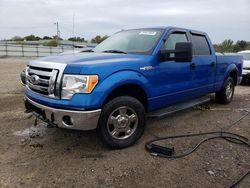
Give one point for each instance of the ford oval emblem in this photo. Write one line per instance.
(34, 79)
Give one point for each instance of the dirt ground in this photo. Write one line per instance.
(51, 157)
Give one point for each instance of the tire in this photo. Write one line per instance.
(122, 122)
(245, 81)
(225, 95)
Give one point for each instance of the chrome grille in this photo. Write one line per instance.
(42, 80)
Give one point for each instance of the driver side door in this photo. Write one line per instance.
(173, 78)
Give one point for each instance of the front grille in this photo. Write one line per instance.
(42, 80)
(246, 68)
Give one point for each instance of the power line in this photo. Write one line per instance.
(70, 31)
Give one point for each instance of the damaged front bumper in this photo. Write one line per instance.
(69, 119)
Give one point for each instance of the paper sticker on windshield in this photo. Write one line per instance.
(152, 33)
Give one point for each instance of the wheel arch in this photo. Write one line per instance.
(124, 83)
(234, 75)
(232, 71)
(128, 89)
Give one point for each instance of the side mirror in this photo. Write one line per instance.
(183, 52)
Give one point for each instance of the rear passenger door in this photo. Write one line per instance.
(203, 65)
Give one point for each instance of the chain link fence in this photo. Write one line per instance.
(30, 50)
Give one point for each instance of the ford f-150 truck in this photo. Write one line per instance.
(132, 75)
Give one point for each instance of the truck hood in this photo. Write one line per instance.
(94, 58)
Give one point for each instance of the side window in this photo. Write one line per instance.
(173, 39)
(201, 46)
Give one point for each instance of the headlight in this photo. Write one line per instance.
(77, 84)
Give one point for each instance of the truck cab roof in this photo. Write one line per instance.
(176, 28)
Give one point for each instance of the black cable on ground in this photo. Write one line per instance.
(167, 152)
(239, 179)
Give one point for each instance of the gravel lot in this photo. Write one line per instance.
(45, 157)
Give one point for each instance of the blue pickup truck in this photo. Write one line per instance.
(131, 76)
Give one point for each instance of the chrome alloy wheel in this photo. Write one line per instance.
(229, 90)
(122, 122)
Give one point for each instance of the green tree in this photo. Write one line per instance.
(217, 48)
(248, 46)
(76, 39)
(17, 38)
(227, 45)
(98, 39)
(30, 38)
(47, 38)
(240, 45)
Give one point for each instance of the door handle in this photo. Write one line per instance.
(192, 65)
(213, 64)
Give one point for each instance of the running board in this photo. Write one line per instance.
(175, 108)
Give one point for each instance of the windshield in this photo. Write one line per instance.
(138, 41)
(246, 56)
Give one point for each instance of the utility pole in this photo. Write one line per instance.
(57, 32)
(73, 32)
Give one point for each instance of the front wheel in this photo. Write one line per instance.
(225, 95)
(122, 122)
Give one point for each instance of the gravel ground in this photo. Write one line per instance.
(37, 156)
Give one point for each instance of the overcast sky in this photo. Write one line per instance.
(221, 19)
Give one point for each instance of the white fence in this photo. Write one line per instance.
(30, 50)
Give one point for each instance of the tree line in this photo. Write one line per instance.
(230, 46)
(98, 39)
(55, 40)
(32, 38)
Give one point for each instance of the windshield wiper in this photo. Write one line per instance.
(89, 50)
(114, 51)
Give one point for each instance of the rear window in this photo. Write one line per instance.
(201, 46)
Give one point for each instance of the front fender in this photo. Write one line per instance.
(105, 87)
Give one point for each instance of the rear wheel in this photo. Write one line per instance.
(225, 95)
(122, 122)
